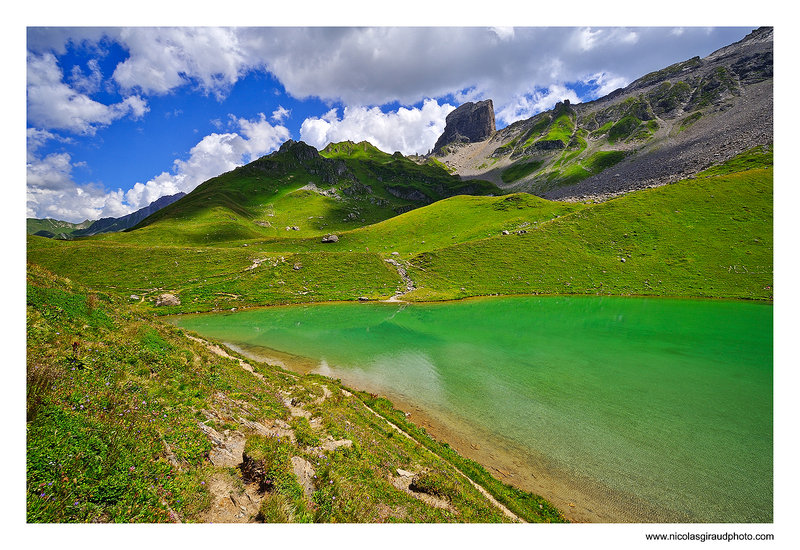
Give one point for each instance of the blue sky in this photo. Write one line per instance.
(119, 116)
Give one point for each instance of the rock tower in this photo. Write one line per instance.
(470, 123)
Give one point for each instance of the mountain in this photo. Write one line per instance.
(54, 229)
(111, 225)
(307, 193)
(667, 125)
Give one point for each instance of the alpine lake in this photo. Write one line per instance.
(615, 409)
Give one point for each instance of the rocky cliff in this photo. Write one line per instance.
(469, 123)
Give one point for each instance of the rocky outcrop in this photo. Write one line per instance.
(167, 299)
(662, 128)
(470, 123)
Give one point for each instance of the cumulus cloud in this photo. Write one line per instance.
(280, 114)
(52, 191)
(377, 66)
(406, 130)
(53, 104)
(162, 59)
(213, 155)
(529, 104)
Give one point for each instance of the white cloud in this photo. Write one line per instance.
(527, 105)
(603, 84)
(52, 104)
(406, 130)
(52, 192)
(162, 59)
(503, 33)
(280, 114)
(87, 84)
(212, 156)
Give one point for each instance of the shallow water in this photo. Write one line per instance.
(653, 409)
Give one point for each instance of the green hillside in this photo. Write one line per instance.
(707, 237)
(299, 192)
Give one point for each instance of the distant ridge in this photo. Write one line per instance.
(111, 225)
(56, 229)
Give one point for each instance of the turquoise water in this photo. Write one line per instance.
(665, 405)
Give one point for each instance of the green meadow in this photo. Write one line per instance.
(710, 236)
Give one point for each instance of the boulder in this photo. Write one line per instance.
(167, 299)
(330, 239)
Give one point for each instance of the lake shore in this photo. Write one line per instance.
(580, 501)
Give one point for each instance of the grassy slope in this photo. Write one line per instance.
(264, 198)
(210, 278)
(442, 224)
(114, 402)
(706, 237)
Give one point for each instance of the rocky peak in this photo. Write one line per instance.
(470, 123)
(301, 150)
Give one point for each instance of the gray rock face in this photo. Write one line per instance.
(470, 123)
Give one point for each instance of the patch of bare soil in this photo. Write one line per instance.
(231, 500)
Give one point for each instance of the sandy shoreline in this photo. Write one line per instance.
(580, 500)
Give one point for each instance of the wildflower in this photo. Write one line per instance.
(132, 468)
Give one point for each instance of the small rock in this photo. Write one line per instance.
(329, 238)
